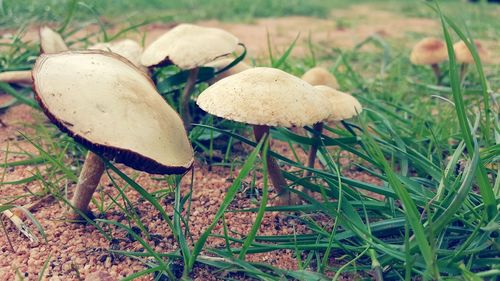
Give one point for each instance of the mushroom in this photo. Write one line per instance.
(430, 51)
(320, 76)
(343, 106)
(224, 62)
(113, 109)
(265, 97)
(16, 77)
(126, 48)
(50, 42)
(189, 47)
(464, 56)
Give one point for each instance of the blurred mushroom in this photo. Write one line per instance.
(264, 97)
(126, 48)
(16, 77)
(464, 56)
(320, 76)
(189, 47)
(430, 51)
(112, 108)
(343, 106)
(50, 42)
(224, 62)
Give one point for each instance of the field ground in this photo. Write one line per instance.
(377, 72)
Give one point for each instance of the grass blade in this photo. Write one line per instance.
(231, 193)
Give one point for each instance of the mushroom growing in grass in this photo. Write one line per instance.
(464, 57)
(223, 63)
(126, 48)
(189, 47)
(430, 51)
(113, 109)
(320, 76)
(16, 77)
(342, 106)
(50, 42)
(265, 97)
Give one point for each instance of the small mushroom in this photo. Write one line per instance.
(50, 42)
(430, 51)
(113, 109)
(265, 97)
(320, 76)
(224, 62)
(126, 48)
(189, 47)
(16, 77)
(343, 106)
(464, 56)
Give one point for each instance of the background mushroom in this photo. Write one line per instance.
(126, 48)
(50, 42)
(265, 97)
(320, 76)
(16, 77)
(224, 62)
(189, 47)
(342, 106)
(112, 108)
(464, 56)
(430, 51)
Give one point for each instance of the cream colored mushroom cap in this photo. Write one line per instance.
(51, 42)
(265, 96)
(105, 103)
(189, 46)
(429, 51)
(463, 55)
(126, 48)
(320, 76)
(343, 106)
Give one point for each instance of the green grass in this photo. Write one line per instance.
(435, 149)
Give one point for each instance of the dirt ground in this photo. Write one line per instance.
(74, 251)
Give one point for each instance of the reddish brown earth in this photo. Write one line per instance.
(76, 248)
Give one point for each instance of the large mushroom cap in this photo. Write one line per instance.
(265, 96)
(111, 107)
(51, 42)
(126, 48)
(320, 76)
(189, 46)
(429, 51)
(343, 106)
(463, 55)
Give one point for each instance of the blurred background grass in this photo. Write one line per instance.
(16, 12)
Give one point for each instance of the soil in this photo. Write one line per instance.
(74, 251)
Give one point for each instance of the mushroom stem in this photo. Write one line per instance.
(437, 72)
(274, 171)
(311, 158)
(186, 94)
(18, 77)
(92, 170)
